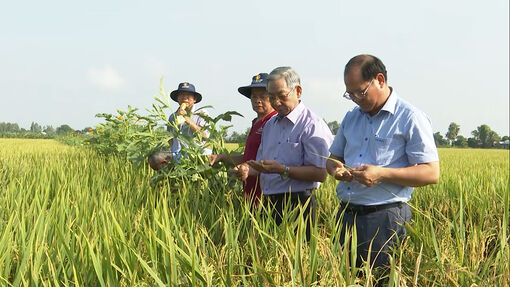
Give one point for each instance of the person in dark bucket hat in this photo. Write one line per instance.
(257, 81)
(186, 120)
(186, 87)
(257, 94)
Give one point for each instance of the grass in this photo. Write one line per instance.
(72, 218)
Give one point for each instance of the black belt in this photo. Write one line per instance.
(365, 209)
(293, 194)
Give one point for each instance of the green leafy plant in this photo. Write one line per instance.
(134, 136)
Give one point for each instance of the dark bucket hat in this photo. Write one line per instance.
(258, 81)
(186, 87)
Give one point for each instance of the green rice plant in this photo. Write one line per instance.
(73, 217)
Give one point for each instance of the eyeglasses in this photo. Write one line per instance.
(353, 96)
(272, 97)
(259, 96)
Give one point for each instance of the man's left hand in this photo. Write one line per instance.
(241, 171)
(368, 175)
(267, 166)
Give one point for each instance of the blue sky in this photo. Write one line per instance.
(61, 62)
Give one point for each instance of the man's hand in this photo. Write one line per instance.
(215, 158)
(181, 111)
(368, 175)
(336, 169)
(241, 171)
(267, 166)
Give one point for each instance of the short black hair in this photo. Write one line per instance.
(369, 65)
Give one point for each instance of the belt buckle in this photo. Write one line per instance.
(359, 209)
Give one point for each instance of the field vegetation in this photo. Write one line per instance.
(87, 211)
(73, 217)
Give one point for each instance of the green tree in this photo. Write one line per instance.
(453, 132)
(87, 130)
(485, 136)
(439, 139)
(35, 128)
(233, 137)
(334, 126)
(64, 130)
(236, 137)
(49, 130)
(461, 141)
(9, 127)
(472, 142)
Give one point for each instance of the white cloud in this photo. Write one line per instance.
(106, 78)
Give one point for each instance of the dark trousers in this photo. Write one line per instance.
(288, 201)
(381, 226)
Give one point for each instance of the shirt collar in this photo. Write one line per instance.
(295, 113)
(390, 104)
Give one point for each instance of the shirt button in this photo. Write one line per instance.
(348, 188)
(366, 139)
(360, 155)
(278, 142)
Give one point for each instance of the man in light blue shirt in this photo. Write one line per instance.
(289, 157)
(383, 148)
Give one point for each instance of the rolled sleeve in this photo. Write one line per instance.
(338, 145)
(420, 147)
(316, 143)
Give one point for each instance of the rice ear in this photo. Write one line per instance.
(335, 160)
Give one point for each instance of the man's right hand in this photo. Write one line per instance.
(336, 169)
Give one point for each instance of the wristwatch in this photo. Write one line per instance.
(285, 173)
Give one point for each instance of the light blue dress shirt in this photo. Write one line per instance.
(293, 140)
(399, 135)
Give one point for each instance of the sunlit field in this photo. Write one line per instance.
(70, 217)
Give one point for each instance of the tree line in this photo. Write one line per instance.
(12, 130)
(482, 137)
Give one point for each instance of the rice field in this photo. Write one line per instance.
(70, 217)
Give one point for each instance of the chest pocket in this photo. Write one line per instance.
(381, 150)
(291, 153)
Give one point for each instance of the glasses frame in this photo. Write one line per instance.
(272, 98)
(352, 96)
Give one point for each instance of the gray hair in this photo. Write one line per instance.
(291, 77)
(159, 157)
